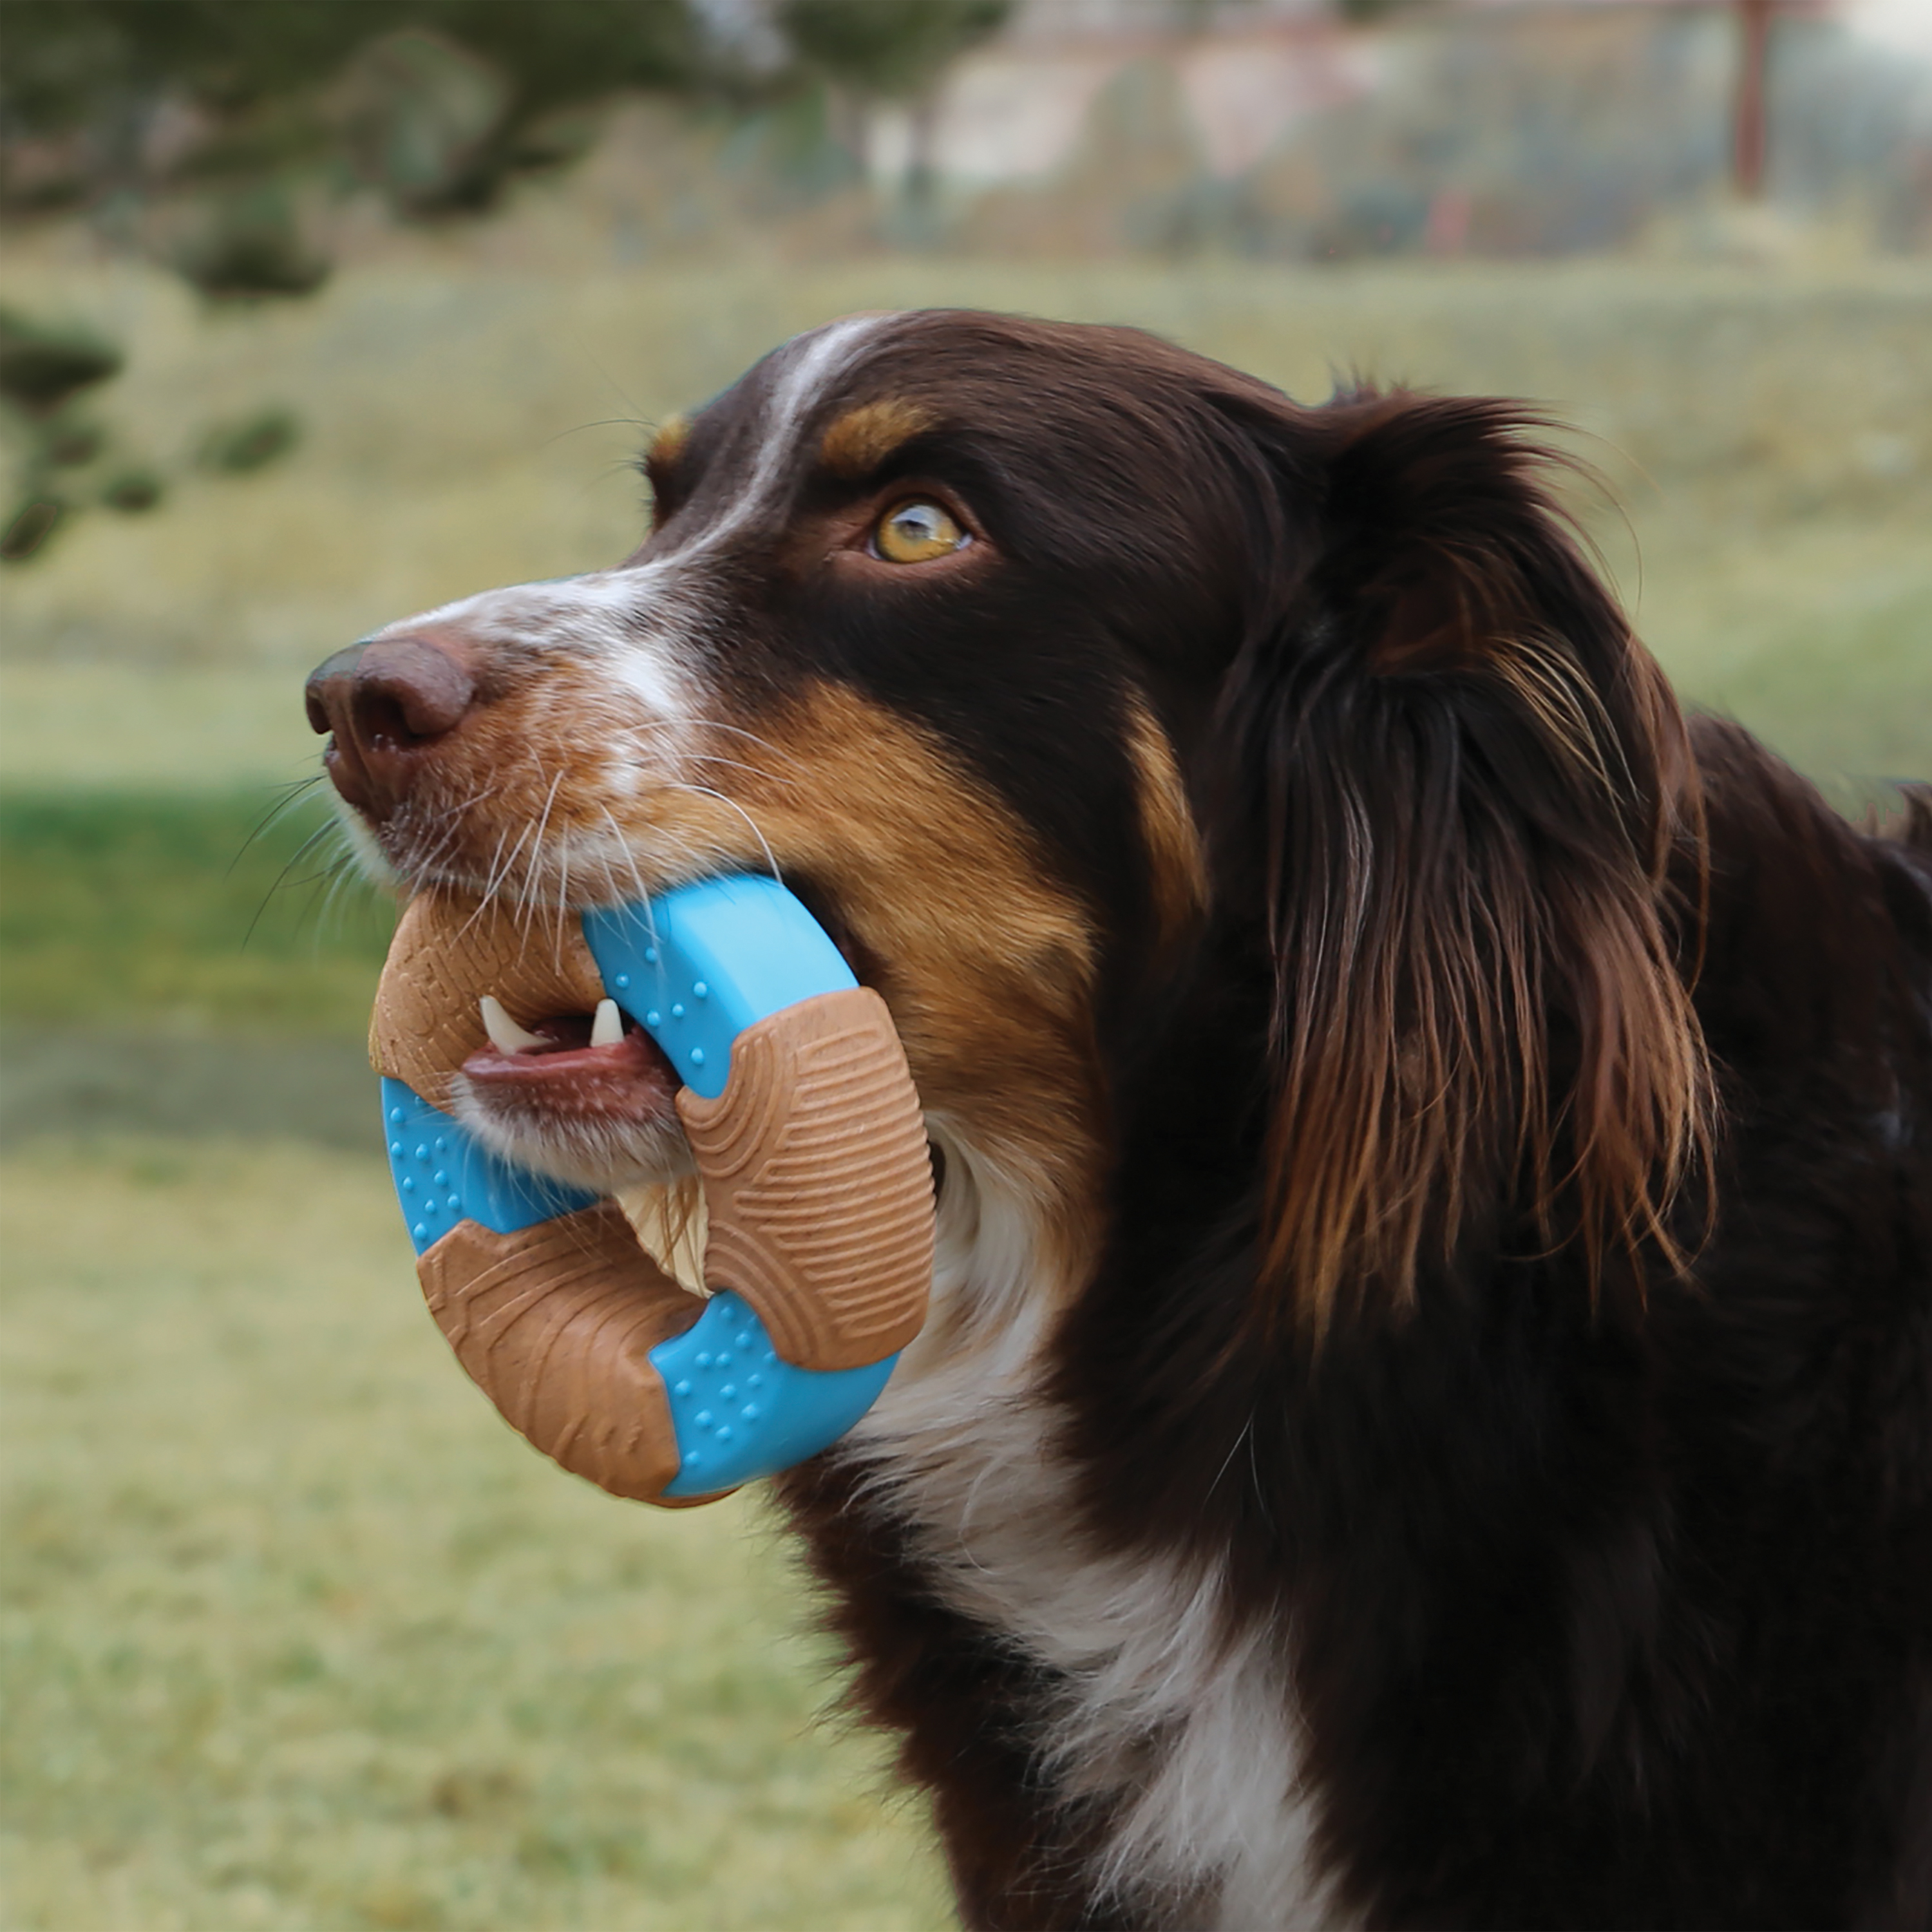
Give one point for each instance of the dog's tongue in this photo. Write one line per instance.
(563, 1071)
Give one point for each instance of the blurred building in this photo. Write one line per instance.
(1017, 108)
(1281, 127)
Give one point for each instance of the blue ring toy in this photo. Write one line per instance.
(694, 967)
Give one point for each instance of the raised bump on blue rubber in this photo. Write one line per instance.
(697, 965)
(443, 1174)
(740, 1410)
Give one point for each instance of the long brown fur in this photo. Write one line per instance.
(1423, 932)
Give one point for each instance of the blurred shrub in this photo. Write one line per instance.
(250, 443)
(29, 527)
(44, 367)
(66, 461)
(132, 492)
(250, 243)
(436, 102)
(42, 364)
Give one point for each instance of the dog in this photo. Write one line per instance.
(1425, 1418)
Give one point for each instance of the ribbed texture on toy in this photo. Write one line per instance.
(555, 1323)
(816, 1175)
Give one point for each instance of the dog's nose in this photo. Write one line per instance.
(386, 702)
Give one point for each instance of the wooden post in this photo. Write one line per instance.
(1747, 133)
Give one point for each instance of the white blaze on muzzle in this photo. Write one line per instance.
(809, 1144)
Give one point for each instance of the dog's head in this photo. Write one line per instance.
(1136, 732)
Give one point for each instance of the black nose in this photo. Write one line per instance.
(388, 703)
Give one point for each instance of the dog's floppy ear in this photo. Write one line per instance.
(1457, 782)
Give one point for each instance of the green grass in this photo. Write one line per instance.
(1818, 636)
(125, 724)
(297, 1635)
(181, 909)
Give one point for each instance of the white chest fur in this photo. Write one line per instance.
(1189, 1732)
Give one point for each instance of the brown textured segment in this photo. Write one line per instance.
(817, 1181)
(447, 952)
(555, 1325)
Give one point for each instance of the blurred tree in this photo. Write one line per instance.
(885, 48)
(1747, 114)
(234, 113)
(436, 102)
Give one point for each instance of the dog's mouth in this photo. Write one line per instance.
(600, 1066)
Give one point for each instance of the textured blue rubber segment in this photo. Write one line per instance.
(697, 965)
(443, 1176)
(741, 1411)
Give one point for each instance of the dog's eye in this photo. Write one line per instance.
(916, 533)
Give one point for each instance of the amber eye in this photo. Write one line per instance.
(916, 533)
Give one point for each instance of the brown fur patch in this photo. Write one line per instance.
(862, 438)
(1173, 840)
(991, 982)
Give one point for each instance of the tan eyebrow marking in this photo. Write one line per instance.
(862, 438)
(667, 445)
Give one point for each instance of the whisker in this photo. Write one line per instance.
(562, 903)
(639, 895)
(292, 795)
(605, 422)
(281, 879)
(706, 791)
(483, 898)
(718, 724)
(716, 758)
(526, 893)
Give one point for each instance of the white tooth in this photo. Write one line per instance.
(608, 1028)
(505, 1036)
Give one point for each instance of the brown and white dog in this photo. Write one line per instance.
(1427, 1416)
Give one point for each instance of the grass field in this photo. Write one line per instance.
(296, 1634)
(199, 911)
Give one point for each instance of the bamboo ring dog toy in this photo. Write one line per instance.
(806, 1132)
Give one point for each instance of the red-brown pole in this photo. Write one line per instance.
(1748, 129)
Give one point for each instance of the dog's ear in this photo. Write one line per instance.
(1457, 783)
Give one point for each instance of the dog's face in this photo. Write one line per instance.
(962, 626)
(920, 604)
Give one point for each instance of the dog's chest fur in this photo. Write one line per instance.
(1173, 1721)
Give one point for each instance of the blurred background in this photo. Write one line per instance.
(317, 312)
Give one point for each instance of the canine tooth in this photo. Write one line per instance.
(608, 1028)
(505, 1036)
